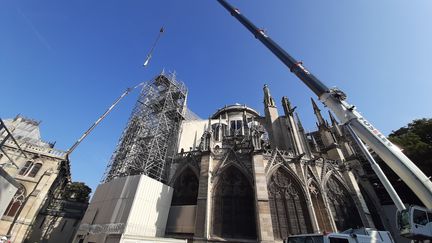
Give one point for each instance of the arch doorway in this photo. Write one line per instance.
(185, 189)
(234, 206)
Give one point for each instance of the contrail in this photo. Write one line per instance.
(33, 28)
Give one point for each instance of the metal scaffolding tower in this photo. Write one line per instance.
(149, 140)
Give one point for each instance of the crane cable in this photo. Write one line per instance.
(126, 92)
(149, 55)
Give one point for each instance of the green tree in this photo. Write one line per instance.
(415, 140)
(77, 191)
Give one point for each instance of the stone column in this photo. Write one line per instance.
(263, 216)
(309, 203)
(202, 221)
(324, 195)
(328, 210)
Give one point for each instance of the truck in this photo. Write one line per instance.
(364, 235)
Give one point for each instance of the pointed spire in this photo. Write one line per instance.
(335, 125)
(286, 104)
(268, 100)
(333, 119)
(314, 105)
(315, 144)
(317, 112)
(299, 124)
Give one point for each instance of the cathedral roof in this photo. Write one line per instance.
(233, 108)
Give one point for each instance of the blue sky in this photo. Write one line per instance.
(64, 62)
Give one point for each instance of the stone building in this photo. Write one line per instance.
(42, 173)
(243, 177)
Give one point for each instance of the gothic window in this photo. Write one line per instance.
(30, 169)
(342, 205)
(218, 131)
(185, 189)
(234, 207)
(16, 202)
(236, 127)
(319, 207)
(287, 206)
(34, 170)
(25, 169)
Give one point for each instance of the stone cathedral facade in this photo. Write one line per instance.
(40, 210)
(243, 177)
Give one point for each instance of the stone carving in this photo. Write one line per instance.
(242, 159)
(282, 187)
(313, 189)
(279, 157)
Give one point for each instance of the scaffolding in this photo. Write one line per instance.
(149, 140)
(5, 134)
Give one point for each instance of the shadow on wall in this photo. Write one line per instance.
(162, 209)
(53, 229)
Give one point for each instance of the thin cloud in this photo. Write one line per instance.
(33, 28)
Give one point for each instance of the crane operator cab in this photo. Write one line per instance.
(415, 222)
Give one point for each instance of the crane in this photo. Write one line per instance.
(90, 129)
(336, 101)
(126, 92)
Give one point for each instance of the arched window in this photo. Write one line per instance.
(288, 208)
(30, 169)
(219, 131)
(185, 189)
(26, 168)
(34, 170)
(16, 202)
(233, 206)
(319, 207)
(342, 205)
(236, 127)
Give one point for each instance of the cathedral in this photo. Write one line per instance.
(243, 177)
(236, 177)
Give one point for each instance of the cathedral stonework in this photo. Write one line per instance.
(242, 177)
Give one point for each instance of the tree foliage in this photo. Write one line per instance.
(415, 140)
(78, 191)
